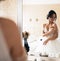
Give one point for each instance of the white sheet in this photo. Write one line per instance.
(52, 48)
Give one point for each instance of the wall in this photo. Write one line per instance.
(41, 1)
(8, 8)
(35, 15)
(33, 18)
(20, 15)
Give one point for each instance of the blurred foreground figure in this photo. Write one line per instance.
(11, 48)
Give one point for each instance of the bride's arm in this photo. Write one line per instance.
(51, 31)
(50, 39)
(44, 25)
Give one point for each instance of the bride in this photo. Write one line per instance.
(49, 42)
(50, 29)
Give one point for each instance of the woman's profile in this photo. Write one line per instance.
(50, 30)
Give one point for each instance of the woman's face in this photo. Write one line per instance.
(52, 18)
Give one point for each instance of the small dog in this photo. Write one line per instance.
(25, 36)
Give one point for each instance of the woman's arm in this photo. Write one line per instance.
(55, 35)
(52, 30)
(18, 53)
(44, 25)
(49, 32)
(50, 38)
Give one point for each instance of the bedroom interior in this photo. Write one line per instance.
(9, 10)
(10, 15)
(34, 16)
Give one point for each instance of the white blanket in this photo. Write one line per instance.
(52, 48)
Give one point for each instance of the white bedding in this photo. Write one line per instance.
(52, 48)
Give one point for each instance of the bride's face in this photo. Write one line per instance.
(52, 18)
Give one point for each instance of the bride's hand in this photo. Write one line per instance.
(43, 35)
(45, 42)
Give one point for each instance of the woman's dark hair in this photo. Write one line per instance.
(51, 12)
(25, 34)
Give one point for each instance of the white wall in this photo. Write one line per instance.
(40, 2)
(8, 8)
(31, 12)
(20, 14)
(39, 12)
(12, 9)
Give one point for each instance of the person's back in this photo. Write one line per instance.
(4, 53)
(13, 39)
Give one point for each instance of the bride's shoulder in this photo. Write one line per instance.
(45, 24)
(54, 24)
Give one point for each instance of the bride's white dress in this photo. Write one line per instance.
(52, 48)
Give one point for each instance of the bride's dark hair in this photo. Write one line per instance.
(50, 14)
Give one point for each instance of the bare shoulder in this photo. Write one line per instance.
(54, 25)
(45, 25)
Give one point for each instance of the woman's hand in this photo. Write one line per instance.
(43, 35)
(45, 42)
